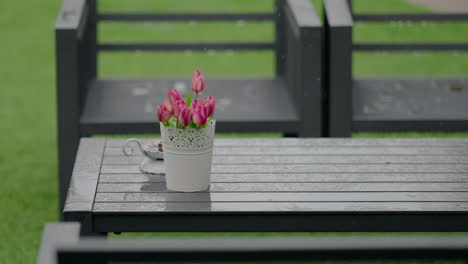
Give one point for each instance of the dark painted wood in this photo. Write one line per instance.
(298, 159)
(297, 187)
(411, 47)
(184, 46)
(346, 221)
(338, 64)
(412, 104)
(129, 17)
(298, 177)
(304, 151)
(280, 37)
(78, 90)
(128, 106)
(84, 182)
(69, 29)
(55, 235)
(358, 185)
(343, 248)
(416, 17)
(324, 197)
(286, 207)
(386, 105)
(325, 142)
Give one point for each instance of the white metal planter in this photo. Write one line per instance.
(188, 157)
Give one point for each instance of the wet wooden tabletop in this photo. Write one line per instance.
(399, 181)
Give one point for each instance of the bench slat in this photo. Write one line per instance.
(184, 46)
(127, 17)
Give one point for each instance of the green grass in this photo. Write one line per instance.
(28, 164)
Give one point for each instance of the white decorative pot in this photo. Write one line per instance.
(188, 157)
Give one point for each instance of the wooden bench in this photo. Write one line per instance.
(280, 185)
(61, 244)
(387, 104)
(289, 102)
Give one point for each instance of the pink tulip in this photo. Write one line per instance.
(169, 106)
(196, 74)
(199, 115)
(210, 104)
(163, 113)
(174, 96)
(185, 117)
(194, 104)
(198, 84)
(178, 106)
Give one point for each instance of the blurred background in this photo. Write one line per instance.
(28, 157)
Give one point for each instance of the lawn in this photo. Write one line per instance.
(28, 164)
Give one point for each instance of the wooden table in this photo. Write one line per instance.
(285, 184)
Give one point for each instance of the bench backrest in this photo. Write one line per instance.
(276, 17)
(409, 17)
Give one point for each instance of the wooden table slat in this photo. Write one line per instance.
(299, 177)
(294, 187)
(340, 142)
(304, 151)
(284, 197)
(310, 168)
(298, 159)
(283, 207)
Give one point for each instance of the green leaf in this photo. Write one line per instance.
(189, 99)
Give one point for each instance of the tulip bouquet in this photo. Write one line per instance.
(187, 133)
(179, 113)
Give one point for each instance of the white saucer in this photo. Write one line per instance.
(152, 166)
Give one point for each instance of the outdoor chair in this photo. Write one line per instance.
(387, 104)
(289, 103)
(61, 244)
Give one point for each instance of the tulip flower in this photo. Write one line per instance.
(169, 106)
(177, 107)
(199, 115)
(174, 96)
(163, 113)
(194, 104)
(185, 117)
(198, 84)
(195, 75)
(210, 104)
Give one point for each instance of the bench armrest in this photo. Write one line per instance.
(303, 32)
(56, 234)
(303, 14)
(338, 14)
(72, 17)
(338, 67)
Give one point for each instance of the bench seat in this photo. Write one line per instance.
(129, 106)
(410, 105)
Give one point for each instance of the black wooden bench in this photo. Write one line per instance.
(61, 244)
(392, 104)
(289, 102)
